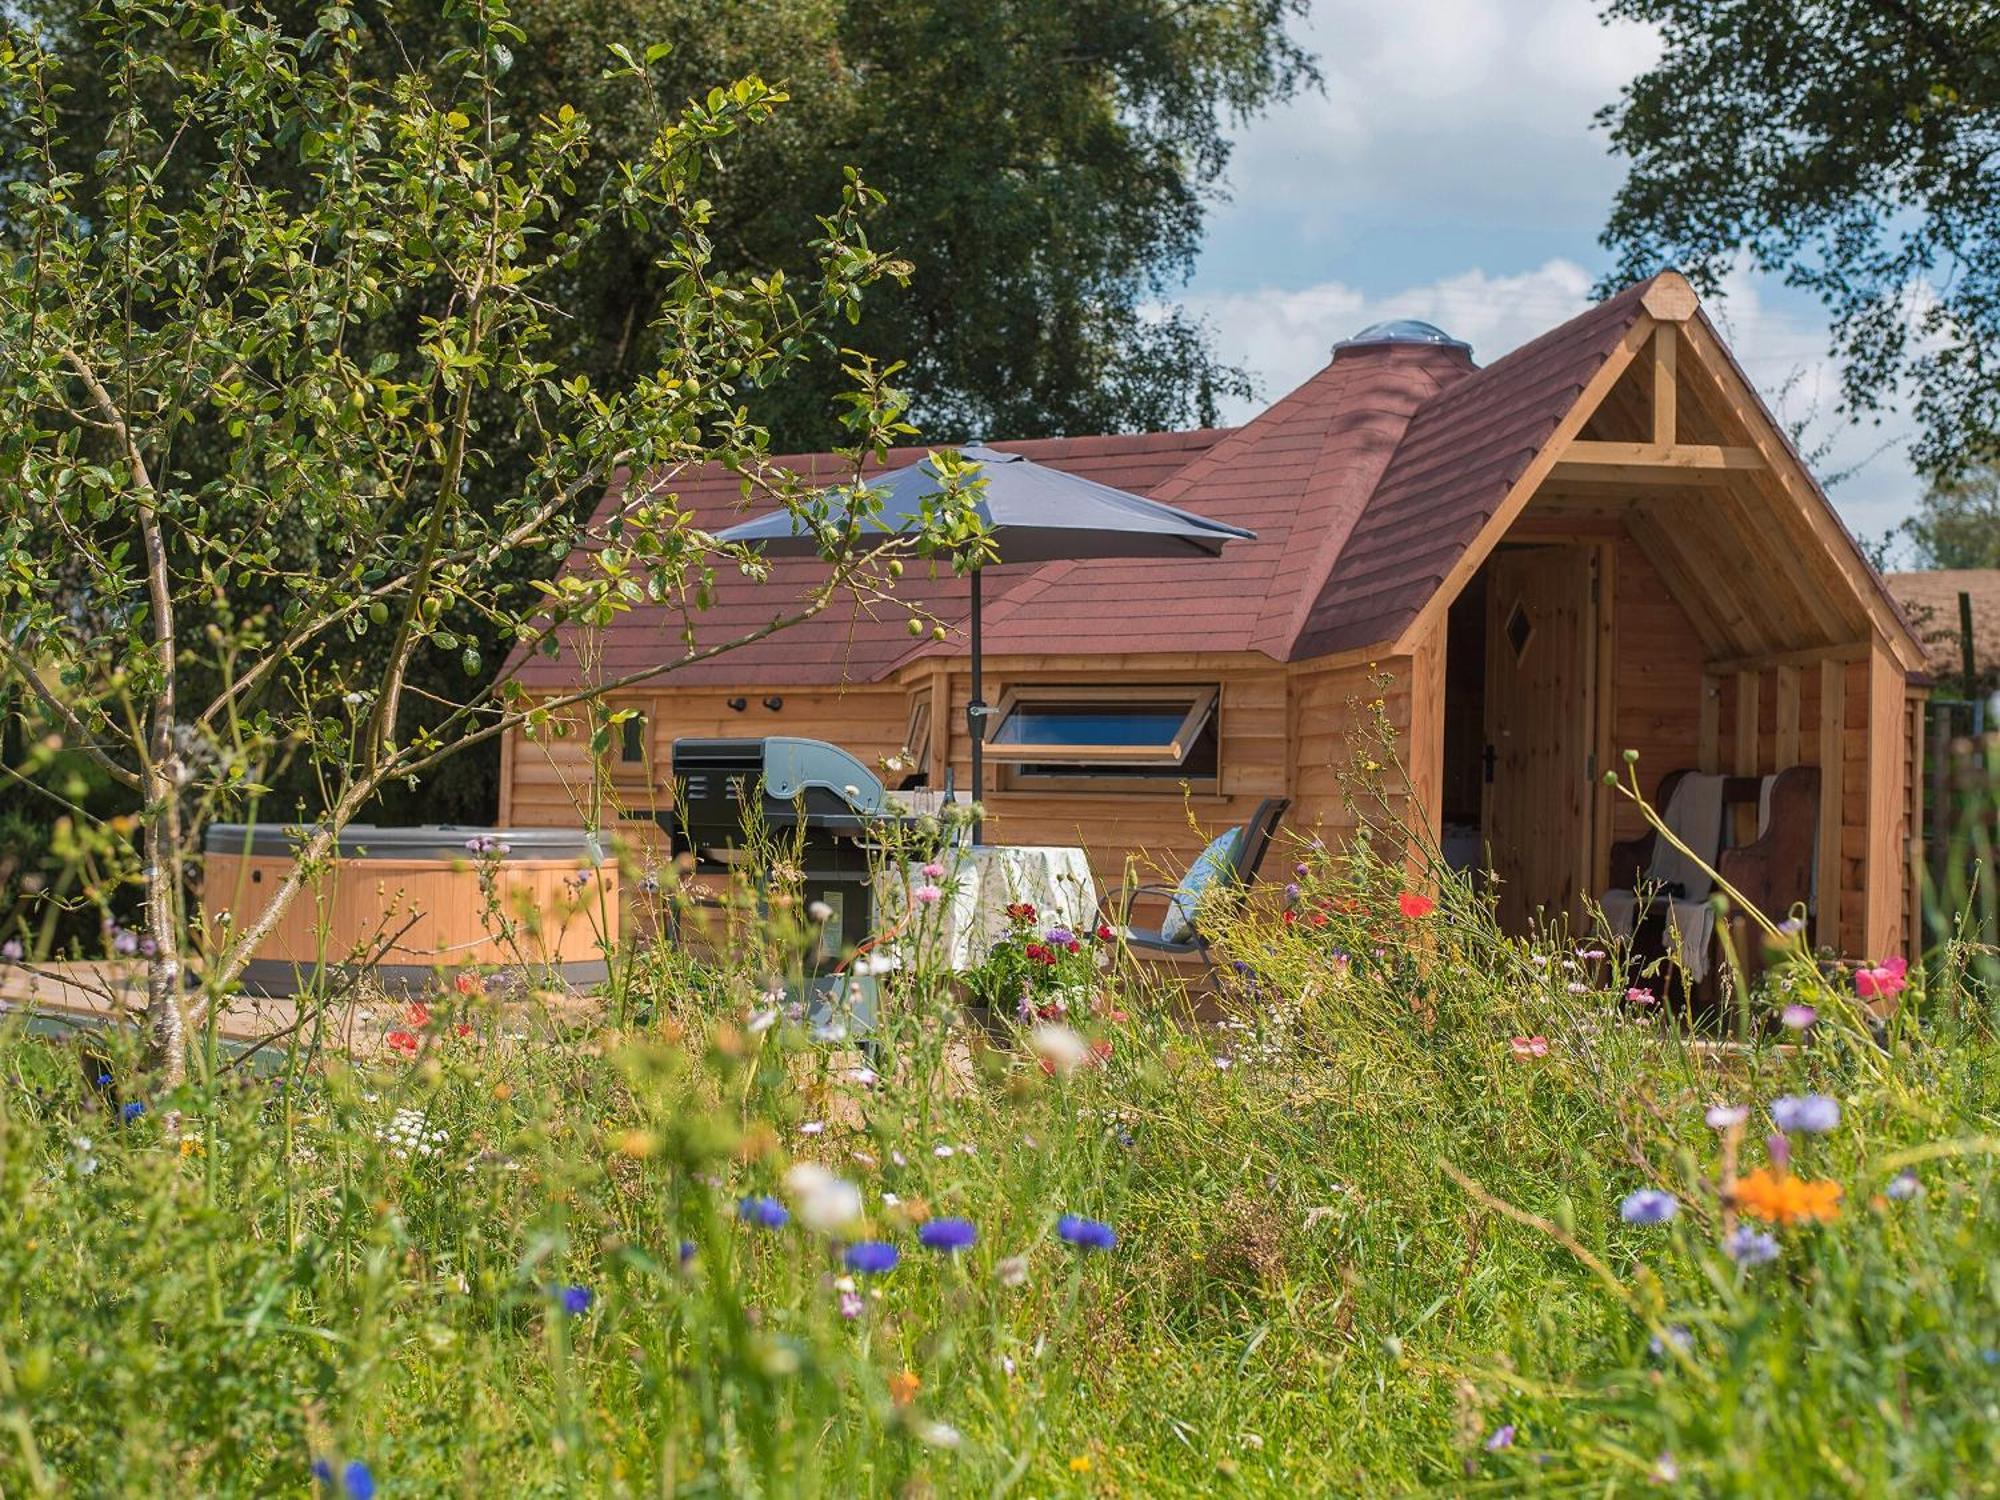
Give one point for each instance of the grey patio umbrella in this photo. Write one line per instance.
(1036, 514)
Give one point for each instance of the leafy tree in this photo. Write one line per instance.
(190, 625)
(1957, 524)
(1047, 165)
(1852, 147)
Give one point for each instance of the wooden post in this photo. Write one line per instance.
(1787, 745)
(1965, 650)
(1832, 752)
(1666, 348)
(1748, 710)
(1708, 745)
(1885, 868)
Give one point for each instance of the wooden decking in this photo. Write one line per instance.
(80, 996)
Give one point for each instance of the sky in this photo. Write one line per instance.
(1450, 171)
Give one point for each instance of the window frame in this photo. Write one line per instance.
(1166, 761)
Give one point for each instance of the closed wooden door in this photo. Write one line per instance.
(1541, 634)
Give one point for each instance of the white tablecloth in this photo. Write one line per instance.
(978, 885)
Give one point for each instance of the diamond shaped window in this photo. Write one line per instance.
(1520, 629)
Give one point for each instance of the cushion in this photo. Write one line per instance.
(1217, 862)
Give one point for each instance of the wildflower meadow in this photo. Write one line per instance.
(1422, 1208)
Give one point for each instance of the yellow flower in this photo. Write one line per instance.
(1080, 1464)
(1785, 1199)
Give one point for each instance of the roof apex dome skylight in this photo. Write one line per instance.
(1402, 331)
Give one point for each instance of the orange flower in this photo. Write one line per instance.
(1414, 906)
(903, 1387)
(1785, 1199)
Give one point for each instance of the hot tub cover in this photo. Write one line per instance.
(424, 841)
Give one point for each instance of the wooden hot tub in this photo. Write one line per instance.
(417, 905)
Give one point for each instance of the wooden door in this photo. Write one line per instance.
(1541, 684)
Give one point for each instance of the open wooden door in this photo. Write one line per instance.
(1540, 761)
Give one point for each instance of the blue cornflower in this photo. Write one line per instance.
(356, 1480)
(764, 1212)
(132, 1109)
(104, 1080)
(1809, 1114)
(687, 1254)
(1750, 1247)
(1503, 1437)
(576, 1300)
(1085, 1234)
(1059, 937)
(1648, 1206)
(871, 1258)
(1677, 1337)
(947, 1234)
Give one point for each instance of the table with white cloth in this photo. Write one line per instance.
(977, 884)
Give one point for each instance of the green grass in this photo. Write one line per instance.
(1305, 1298)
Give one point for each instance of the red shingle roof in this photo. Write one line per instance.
(846, 643)
(1364, 485)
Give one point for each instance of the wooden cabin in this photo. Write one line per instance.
(1601, 542)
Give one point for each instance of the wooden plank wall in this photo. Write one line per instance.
(1340, 717)
(1657, 685)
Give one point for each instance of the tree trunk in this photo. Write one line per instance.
(166, 1020)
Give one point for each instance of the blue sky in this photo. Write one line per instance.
(1450, 172)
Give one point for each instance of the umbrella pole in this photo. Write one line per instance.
(975, 712)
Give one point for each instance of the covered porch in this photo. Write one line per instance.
(1669, 584)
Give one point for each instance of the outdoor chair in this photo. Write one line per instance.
(1230, 863)
(1773, 872)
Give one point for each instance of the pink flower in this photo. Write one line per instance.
(1530, 1046)
(929, 895)
(1640, 996)
(1884, 981)
(933, 871)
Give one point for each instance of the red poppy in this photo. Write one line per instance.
(1036, 951)
(1414, 906)
(1288, 916)
(404, 1042)
(461, 1031)
(1075, 946)
(418, 1015)
(1104, 932)
(1101, 1049)
(1021, 911)
(1318, 918)
(470, 984)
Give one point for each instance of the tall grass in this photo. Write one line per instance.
(1369, 1240)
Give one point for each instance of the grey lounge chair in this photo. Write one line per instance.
(1232, 860)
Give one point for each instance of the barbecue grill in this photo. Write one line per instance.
(805, 795)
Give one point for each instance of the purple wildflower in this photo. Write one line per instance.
(1798, 1016)
(12, 952)
(576, 1300)
(947, 1235)
(1085, 1234)
(1059, 937)
(1903, 1186)
(1648, 1206)
(132, 1110)
(871, 1257)
(1503, 1437)
(763, 1212)
(1750, 1247)
(1808, 1114)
